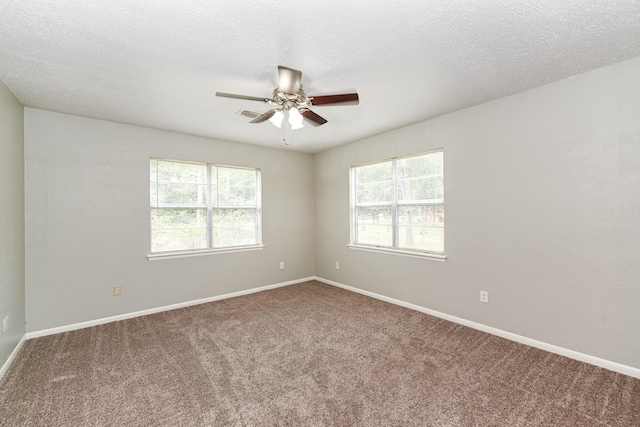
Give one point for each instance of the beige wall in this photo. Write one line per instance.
(12, 282)
(87, 215)
(542, 210)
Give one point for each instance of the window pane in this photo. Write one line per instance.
(374, 183)
(234, 227)
(374, 226)
(421, 228)
(193, 173)
(181, 183)
(153, 192)
(420, 178)
(178, 218)
(182, 194)
(178, 229)
(234, 187)
(153, 174)
(178, 240)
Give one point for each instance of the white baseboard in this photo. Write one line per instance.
(110, 319)
(12, 356)
(593, 360)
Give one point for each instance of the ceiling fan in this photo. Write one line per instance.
(291, 102)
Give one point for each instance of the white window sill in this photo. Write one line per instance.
(399, 252)
(170, 255)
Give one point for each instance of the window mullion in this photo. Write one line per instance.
(353, 204)
(209, 209)
(258, 186)
(394, 204)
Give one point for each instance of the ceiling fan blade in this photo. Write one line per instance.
(343, 98)
(289, 79)
(312, 117)
(264, 117)
(250, 98)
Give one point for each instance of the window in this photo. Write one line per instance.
(203, 207)
(398, 204)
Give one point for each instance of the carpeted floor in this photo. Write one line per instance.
(304, 355)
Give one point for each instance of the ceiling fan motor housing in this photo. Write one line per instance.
(289, 100)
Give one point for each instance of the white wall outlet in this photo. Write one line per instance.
(337, 265)
(484, 296)
(281, 265)
(6, 324)
(117, 291)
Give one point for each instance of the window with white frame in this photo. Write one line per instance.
(200, 207)
(398, 204)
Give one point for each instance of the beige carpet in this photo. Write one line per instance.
(304, 355)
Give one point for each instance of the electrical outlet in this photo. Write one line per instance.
(484, 296)
(117, 291)
(337, 265)
(281, 265)
(6, 324)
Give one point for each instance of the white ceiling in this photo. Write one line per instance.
(158, 63)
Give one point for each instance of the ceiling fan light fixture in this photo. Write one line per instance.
(295, 119)
(277, 119)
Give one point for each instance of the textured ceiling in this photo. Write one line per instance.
(158, 63)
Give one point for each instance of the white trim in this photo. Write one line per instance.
(582, 357)
(400, 252)
(146, 312)
(12, 356)
(171, 255)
